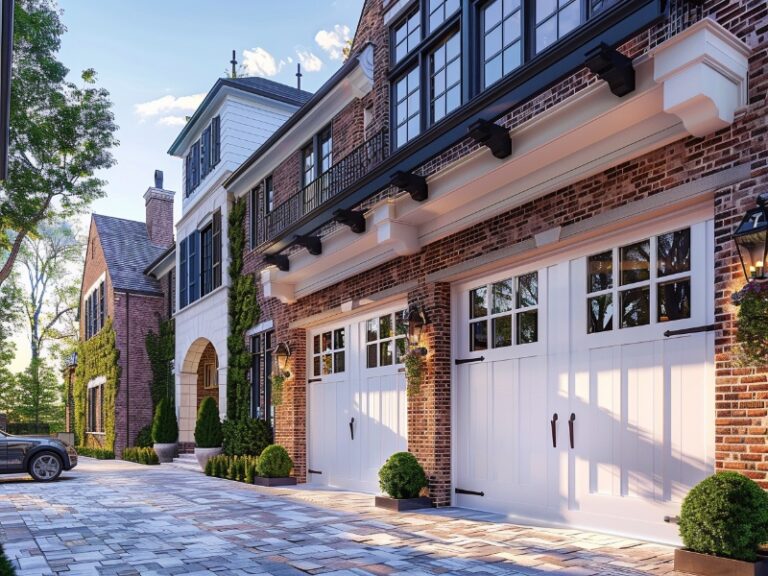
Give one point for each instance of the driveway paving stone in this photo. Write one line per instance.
(121, 519)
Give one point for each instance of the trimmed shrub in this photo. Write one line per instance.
(274, 462)
(141, 455)
(402, 476)
(144, 438)
(237, 468)
(246, 437)
(165, 429)
(6, 568)
(725, 515)
(208, 426)
(98, 453)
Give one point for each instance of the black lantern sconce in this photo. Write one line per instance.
(751, 238)
(416, 322)
(282, 354)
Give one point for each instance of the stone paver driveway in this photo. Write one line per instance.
(121, 518)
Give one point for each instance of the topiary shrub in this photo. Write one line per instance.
(247, 437)
(165, 429)
(208, 426)
(402, 476)
(274, 462)
(144, 438)
(725, 515)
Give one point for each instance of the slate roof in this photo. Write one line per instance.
(128, 252)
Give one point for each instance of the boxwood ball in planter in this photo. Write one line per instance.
(273, 467)
(723, 521)
(208, 435)
(402, 478)
(165, 431)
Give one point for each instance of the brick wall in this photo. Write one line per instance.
(159, 211)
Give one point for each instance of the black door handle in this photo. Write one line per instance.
(570, 427)
(352, 428)
(553, 423)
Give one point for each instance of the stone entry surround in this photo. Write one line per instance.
(114, 517)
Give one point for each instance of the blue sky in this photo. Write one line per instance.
(157, 58)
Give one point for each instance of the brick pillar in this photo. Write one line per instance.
(429, 410)
(741, 393)
(291, 414)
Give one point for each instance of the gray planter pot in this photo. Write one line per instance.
(403, 504)
(707, 565)
(165, 452)
(204, 454)
(263, 481)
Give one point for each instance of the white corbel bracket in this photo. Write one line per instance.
(274, 288)
(704, 72)
(401, 238)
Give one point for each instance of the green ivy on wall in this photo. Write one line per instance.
(243, 314)
(96, 357)
(161, 349)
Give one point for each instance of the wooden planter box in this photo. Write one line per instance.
(403, 504)
(707, 565)
(262, 481)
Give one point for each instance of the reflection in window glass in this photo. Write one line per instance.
(503, 294)
(445, 78)
(635, 261)
(385, 353)
(635, 307)
(527, 327)
(385, 326)
(502, 45)
(407, 107)
(600, 272)
(328, 352)
(440, 10)
(477, 305)
(371, 356)
(407, 34)
(478, 335)
(600, 313)
(674, 252)
(372, 332)
(502, 331)
(554, 19)
(386, 337)
(674, 300)
(527, 290)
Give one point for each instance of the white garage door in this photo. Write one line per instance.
(593, 402)
(357, 400)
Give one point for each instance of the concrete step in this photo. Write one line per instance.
(186, 462)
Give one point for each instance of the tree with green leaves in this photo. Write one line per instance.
(10, 316)
(61, 134)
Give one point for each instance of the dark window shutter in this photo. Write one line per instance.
(205, 152)
(215, 140)
(102, 305)
(195, 164)
(193, 258)
(183, 273)
(188, 175)
(217, 249)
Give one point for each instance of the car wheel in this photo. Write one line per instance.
(45, 467)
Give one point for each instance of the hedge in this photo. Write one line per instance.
(238, 468)
(98, 453)
(141, 456)
(27, 428)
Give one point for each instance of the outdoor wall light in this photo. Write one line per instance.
(282, 353)
(751, 238)
(416, 322)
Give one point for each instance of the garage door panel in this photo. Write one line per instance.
(531, 413)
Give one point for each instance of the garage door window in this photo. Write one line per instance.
(328, 352)
(507, 310)
(385, 338)
(654, 283)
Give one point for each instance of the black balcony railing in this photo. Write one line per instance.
(331, 183)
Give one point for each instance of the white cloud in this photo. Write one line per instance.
(168, 104)
(333, 41)
(310, 62)
(172, 121)
(259, 62)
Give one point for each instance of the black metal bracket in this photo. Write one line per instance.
(314, 471)
(492, 136)
(470, 492)
(414, 184)
(707, 328)
(672, 519)
(312, 243)
(355, 219)
(313, 380)
(460, 361)
(279, 260)
(613, 67)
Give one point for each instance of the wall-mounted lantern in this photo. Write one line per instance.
(751, 238)
(282, 354)
(416, 322)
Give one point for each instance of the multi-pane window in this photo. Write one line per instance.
(502, 39)
(95, 412)
(206, 259)
(94, 306)
(203, 156)
(445, 78)
(408, 107)
(386, 339)
(554, 19)
(504, 313)
(269, 195)
(210, 376)
(441, 10)
(200, 262)
(406, 34)
(308, 164)
(640, 283)
(326, 150)
(261, 374)
(329, 352)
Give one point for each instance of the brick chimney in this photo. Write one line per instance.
(159, 204)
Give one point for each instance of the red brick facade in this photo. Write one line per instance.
(741, 393)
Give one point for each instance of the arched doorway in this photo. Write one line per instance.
(199, 379)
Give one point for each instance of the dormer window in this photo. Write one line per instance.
(203, 156)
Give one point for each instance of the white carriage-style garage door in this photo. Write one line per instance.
(584, 388)
(357, 399)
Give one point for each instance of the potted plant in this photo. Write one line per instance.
(165, 431)
(402, 479)
(274, 467)
(723, 521)
(208, 435)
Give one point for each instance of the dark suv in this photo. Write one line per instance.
(42, 458)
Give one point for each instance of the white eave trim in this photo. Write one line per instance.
(164, 266)
(356, 84)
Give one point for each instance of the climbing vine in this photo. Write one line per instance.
(752, 327)
(243, 313)
(97, 357)
(161, 351)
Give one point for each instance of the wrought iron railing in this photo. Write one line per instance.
(330, 184)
